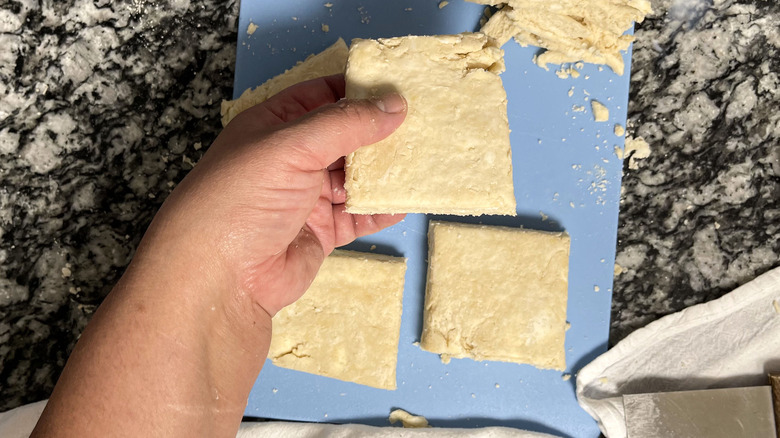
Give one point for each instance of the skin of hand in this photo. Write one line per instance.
(176, 346)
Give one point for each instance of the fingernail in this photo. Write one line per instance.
(391, 103)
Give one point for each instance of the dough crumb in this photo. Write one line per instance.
(636, 149)
(407, 420)
(497, 386)
(776, 304)
(544, 216)
(596, 289)
(578, 108)
(589, 30)
(600, 112)
(618, 270)
(619, 130)
(443, 4)
(251, 28)
(66, 272)
(328, 5)
(571, 92)
(373, 247)
(445, 358)
(325, 27)
(197, 145)
(274, 390)
(566, 377)
(568, 326)
(618, 152)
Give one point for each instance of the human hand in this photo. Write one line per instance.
(265, 204)
(181, 338)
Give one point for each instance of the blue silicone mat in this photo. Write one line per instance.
(567, 177)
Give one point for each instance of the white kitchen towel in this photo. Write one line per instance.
(19, 423)
(729, 342)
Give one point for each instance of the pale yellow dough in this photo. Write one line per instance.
(407, 420)
(496, 293)
(346, 326)
(451, 155)
(331, 61)
(570, 30)
(600, 112)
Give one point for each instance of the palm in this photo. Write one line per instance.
(292, 214)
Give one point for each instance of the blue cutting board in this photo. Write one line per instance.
(567, 177)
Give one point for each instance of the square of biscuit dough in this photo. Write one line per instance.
(496, 293)
(451, 155)
(346, 326)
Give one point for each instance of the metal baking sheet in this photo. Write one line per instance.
(567, 177)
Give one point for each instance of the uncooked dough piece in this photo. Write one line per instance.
(346, 326)
(600, 112)
(496, 293)
(570, 30)
(451, 155)
(407, 420)
(331, 61)
(636, 149)
(501, 25)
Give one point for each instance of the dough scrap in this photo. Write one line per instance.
(331, 61)
(570, 30)
(600, 112)
(347, 325)
(452, 154)
(496, 293)
(636, 149)
(407, 420)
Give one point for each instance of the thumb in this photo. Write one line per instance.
(332, 131)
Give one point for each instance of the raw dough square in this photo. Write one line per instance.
(451, 155)
(496, 293)
(330, 61)
(346, 326)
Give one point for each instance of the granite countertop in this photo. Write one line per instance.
(105, 106)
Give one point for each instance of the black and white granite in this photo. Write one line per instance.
(105, 105)
(701, 215)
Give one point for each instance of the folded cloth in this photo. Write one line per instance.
(19, 423)
(729, 342)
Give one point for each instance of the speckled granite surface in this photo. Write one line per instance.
(104, 106)
(701, 215)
